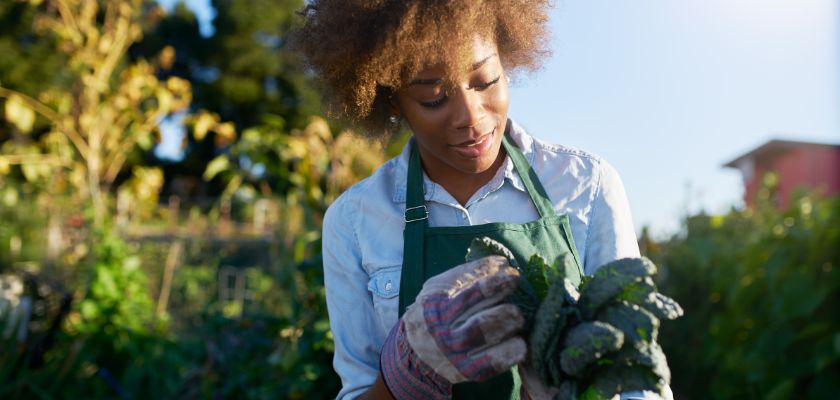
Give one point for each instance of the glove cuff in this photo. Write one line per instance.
(405, 374)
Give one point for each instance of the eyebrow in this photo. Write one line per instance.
(432, 81)
(482, 62)
(435, 81)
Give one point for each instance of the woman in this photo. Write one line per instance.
(409, 319)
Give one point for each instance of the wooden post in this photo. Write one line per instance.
(174, 210)
(166, 286)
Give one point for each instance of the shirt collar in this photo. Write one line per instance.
(508, 173)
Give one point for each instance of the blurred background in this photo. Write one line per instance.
(165, 167)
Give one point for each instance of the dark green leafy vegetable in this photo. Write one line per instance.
(567, 390)
(556, 311)
(483, 247)
(648, 354)
(637, 292)
(592, 394)
(615, 379)
(601, 340)
(610, 281)
(638, 324)
(536, 272)
(662, 306)
(567, 266)
(587, 342)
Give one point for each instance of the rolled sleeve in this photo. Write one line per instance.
(349, 303)
(611, 232)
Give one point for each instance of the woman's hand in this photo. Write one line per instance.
(458, 329)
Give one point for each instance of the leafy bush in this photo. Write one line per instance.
(760, 288)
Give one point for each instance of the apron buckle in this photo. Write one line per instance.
(414, 218)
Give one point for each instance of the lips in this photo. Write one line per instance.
(474, 148)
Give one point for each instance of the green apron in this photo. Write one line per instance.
(429, 251)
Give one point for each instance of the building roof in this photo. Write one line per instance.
(775, 147)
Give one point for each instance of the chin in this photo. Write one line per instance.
(480, 165)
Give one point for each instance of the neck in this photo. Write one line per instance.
(462, 186)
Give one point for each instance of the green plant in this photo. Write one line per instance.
(601, 340)
(761, 286)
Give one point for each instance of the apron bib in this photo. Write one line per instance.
(429, 251)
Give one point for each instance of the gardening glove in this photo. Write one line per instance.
(458, 329)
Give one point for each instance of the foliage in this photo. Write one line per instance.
(30, 63)
(242, 72)
(107, 345)
(761, 289)
(273, 340)
(309, 167)
(105, 322)
(108, 110)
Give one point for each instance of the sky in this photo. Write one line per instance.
(668, 91)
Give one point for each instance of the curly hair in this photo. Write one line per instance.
(365, 50)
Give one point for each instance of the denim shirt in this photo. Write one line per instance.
(363, 237)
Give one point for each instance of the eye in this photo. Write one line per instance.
(434, 103)
(482, 86)
(442, 99)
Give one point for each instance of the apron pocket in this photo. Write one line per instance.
(385, 286)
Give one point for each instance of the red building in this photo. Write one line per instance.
(797, 164)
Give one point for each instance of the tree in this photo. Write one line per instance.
(30, 63)
(110, 107)
(243, 71)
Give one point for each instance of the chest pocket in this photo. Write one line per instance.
(384, 286)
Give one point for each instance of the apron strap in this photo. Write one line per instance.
(416, 221)
(417, 215)
(529, 178)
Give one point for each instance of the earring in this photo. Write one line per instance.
(394, 120)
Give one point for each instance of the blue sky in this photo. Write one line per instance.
(667, 91)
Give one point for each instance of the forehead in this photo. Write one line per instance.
(458, 60)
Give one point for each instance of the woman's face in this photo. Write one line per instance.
(458, 125)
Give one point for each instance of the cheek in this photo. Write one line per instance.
(424, 121)
(498, 100)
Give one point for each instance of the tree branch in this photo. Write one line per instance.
(67, 16)
(117, 49)
(53, 117)
(33, 159)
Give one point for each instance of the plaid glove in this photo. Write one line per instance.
(458, 329)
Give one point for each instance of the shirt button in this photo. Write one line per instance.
(388, 286)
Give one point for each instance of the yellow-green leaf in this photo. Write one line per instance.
(218, 164)
(164, 99)
(31, 171)
(231, 187)
(226, 132)
(19, 113)
(167, 57)
(202, 123)
(10, 197)
(5, 166)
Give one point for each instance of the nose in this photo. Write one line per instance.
(469, 108)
